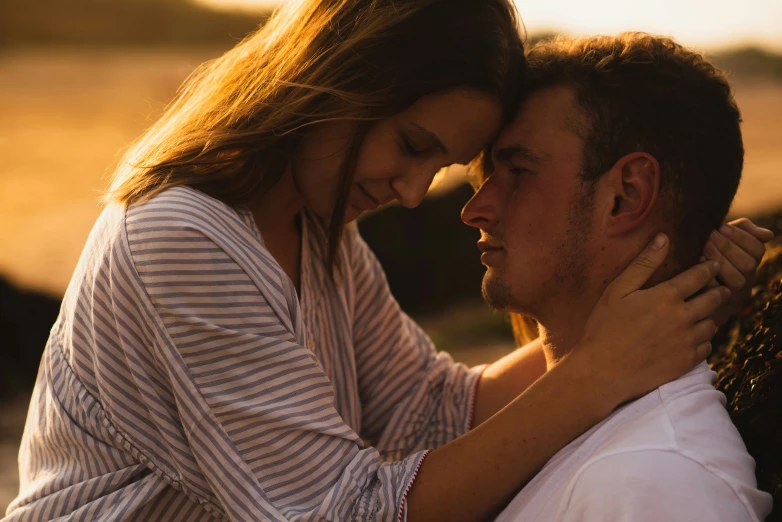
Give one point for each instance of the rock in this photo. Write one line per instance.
(25, 321)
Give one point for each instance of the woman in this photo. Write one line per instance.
(228, 347)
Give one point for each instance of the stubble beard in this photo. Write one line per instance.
(570, 261)
(496, 292)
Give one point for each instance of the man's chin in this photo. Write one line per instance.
(498, 294)
(495, 292)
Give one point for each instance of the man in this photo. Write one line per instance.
(618, 139)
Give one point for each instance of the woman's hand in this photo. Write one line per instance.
(636, 340)
(739, 247)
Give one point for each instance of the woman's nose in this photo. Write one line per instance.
(412, 188)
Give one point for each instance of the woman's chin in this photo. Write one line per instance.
(352, 213)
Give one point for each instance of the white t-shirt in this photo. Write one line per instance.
(672, 455)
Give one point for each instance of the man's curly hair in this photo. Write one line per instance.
(647, 93)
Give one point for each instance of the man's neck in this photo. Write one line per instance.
(563, 317)
(563, 327)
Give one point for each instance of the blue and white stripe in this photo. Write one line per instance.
(185, 380)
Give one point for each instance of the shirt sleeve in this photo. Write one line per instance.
(222, 401)
(412, 396)
(650, 486)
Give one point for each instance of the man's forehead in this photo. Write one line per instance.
(519, 150)
(545, 115)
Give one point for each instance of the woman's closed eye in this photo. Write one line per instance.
(409, 149)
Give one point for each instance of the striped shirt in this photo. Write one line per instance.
(185, 380)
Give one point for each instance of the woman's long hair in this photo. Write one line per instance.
(237, 121)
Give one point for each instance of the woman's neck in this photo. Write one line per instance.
(279, 207)
(276, 215)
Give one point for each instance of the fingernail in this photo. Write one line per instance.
(726, 291)
(659, 242)
(716, 266)
(725, 229)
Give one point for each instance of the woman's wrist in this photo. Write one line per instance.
(589, 379)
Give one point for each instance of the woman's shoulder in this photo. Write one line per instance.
(182, 209)
(184, 230)
(183, 205)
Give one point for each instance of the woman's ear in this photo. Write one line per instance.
(635, 184)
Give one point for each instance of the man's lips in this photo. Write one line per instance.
(491, 249)
(485, 245)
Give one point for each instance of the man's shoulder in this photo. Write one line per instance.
(636, 469)
(687, 416)
(655, 484)
(702, 430)
(680, 444)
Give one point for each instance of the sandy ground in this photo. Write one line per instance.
(67, 117)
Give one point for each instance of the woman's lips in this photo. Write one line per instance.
(368, 202)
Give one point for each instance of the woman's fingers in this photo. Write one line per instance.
(693, 279)
(748, 242)
(741, 258)
(703, 351)
(763, 234)
(641, 269)
(739, 247)
(704, 331)
(734, 265)
(704, 305)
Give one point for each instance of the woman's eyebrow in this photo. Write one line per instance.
(432, 136)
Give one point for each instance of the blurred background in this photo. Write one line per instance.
(80, 79)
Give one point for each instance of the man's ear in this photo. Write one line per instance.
(635, 184)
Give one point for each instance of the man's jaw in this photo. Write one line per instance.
(496, 292)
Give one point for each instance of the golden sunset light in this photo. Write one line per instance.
(700, 23)
(312, 259)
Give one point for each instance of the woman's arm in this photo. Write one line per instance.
(503, 380)
(475, 475)
(654, 335)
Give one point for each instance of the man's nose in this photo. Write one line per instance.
(481, 211)
(412, 188)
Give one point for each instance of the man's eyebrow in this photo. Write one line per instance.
(432, 136)
(506, 154)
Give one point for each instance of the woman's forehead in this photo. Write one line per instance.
(463, 121)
